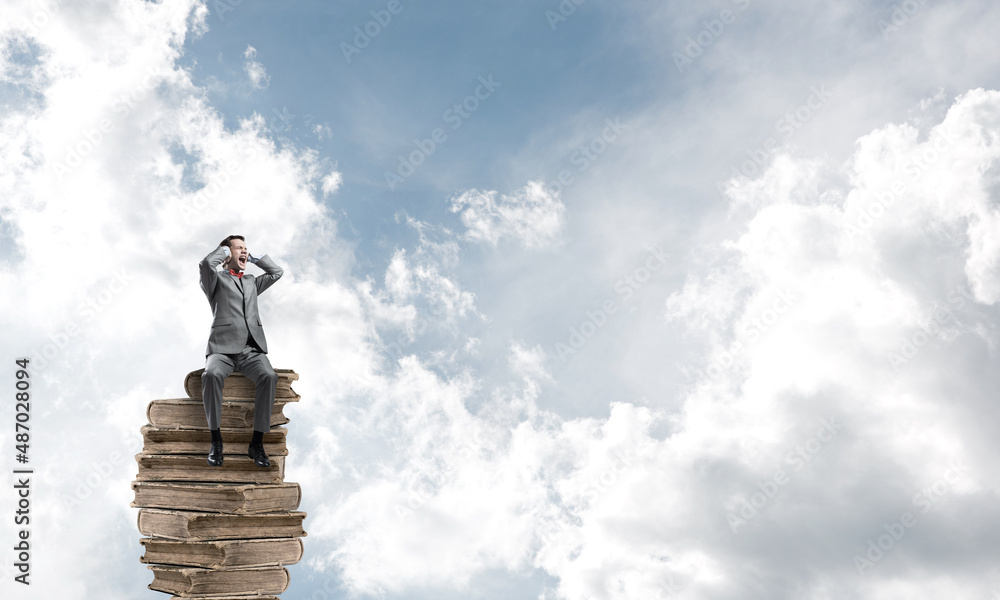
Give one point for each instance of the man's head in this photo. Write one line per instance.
(238, 252)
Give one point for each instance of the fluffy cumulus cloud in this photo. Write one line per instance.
(332, 183)
(532, 216)
(818, 423)
(256, 71)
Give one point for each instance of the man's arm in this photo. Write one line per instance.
(209, 276)
(272, 273)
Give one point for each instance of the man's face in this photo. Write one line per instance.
(237, 255)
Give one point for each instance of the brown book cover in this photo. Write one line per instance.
(223, 554)
(215, 497)
(197, 526)
(269, 597)
(189, 582)
(161, 440)
(238, 387)
(188, 413)
(195, 467)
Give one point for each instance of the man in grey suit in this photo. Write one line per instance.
(237, 339)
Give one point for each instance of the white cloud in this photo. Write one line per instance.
(832, 299)
(422, 296)
(398, 278)
(532, 215)
(259, 78)
(322, 131)
(528, 362)
(332, 183)
(427, 275)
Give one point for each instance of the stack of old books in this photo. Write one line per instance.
(217, 532)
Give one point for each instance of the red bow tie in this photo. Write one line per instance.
(238, 274)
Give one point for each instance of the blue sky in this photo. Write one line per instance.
(556, 82)
(426, 59)
(698, 300)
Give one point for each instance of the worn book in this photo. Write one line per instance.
(195, 467)
(238, 387)
(223, 554)
(193, 582)
(216, 497)
(228, 598)
(188, 413)
(194, 526)
(161, 440)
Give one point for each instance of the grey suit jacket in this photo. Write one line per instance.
(234, 303)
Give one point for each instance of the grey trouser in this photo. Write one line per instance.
(253, 364)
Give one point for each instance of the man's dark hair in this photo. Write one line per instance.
(229, 239)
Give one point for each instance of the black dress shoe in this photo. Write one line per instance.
(259, 456)
(215, 455)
